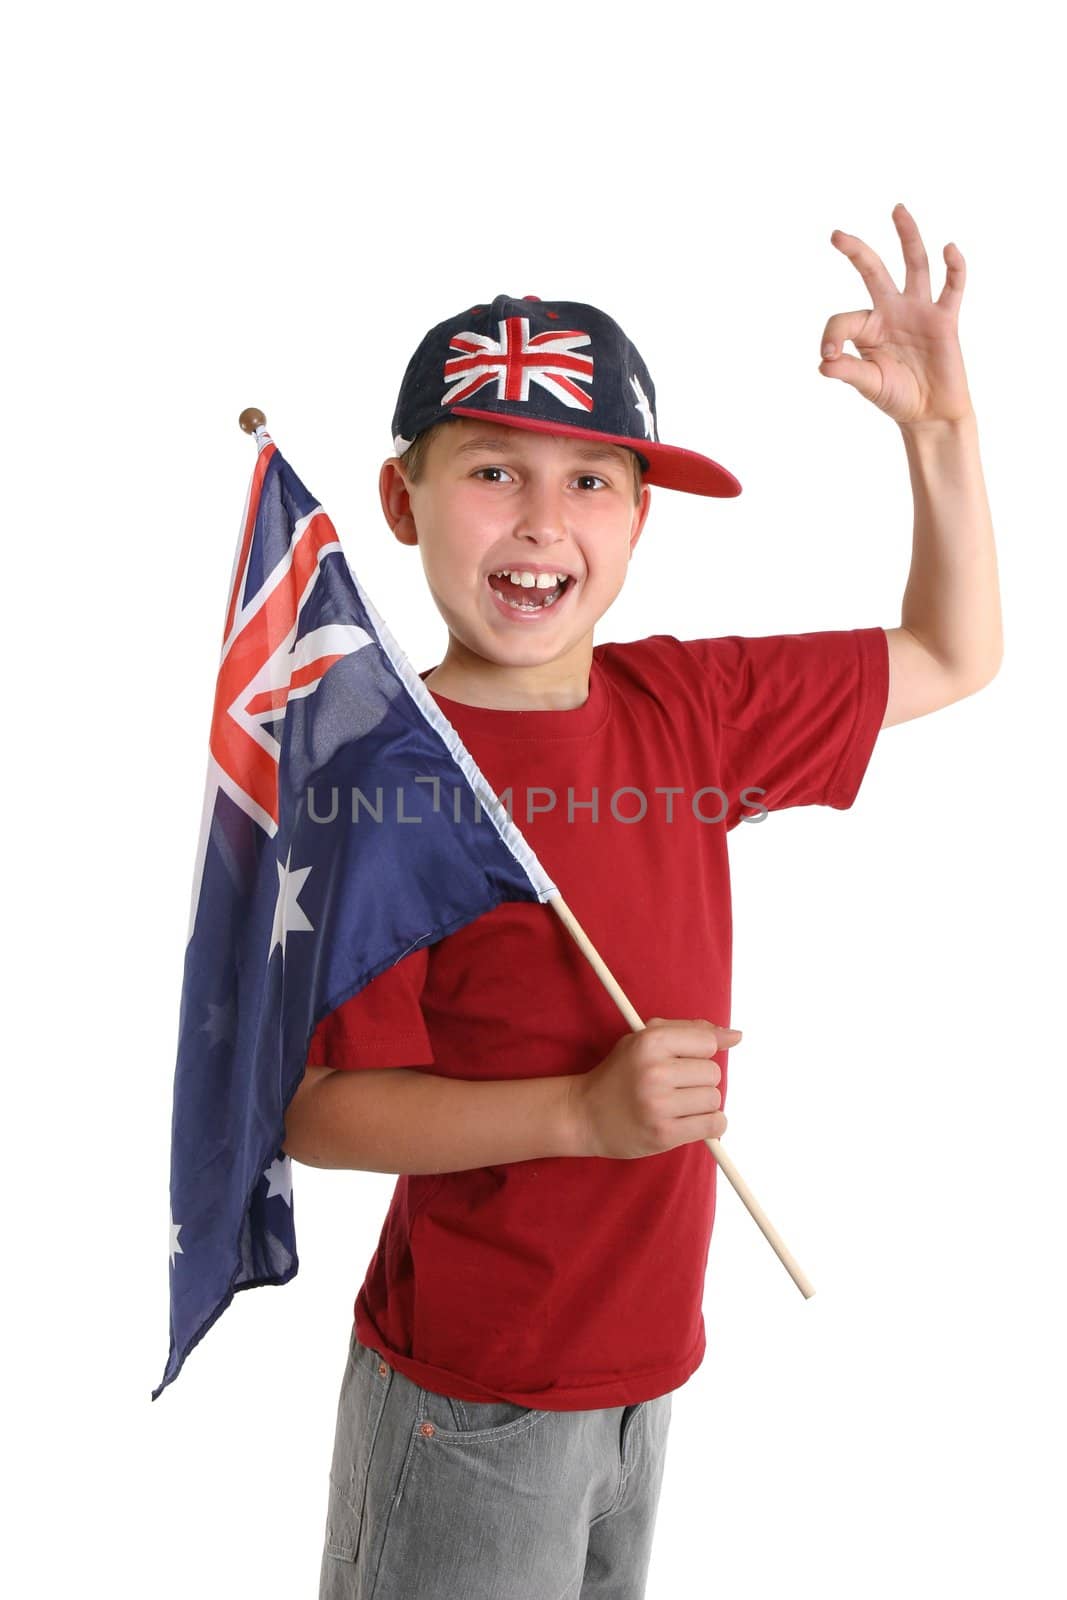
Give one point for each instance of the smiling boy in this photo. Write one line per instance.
(535, 1297)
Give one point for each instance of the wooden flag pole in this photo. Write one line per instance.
(755, 1210)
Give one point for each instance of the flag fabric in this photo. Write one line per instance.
(344, 825)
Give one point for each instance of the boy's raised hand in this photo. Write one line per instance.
(657, 1088)
(910, 364)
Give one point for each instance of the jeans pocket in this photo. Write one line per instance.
(359, 1413)
(343, 1523)
(474, 1419)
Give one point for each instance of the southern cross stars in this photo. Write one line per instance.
(279, 1176)
(288, 915)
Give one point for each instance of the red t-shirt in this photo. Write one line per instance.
(573, 1283)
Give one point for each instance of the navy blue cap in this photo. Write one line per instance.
(553, 366)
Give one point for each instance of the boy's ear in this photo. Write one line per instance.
(396, 502)
(641, 510)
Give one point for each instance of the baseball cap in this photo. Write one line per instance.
(553, 366)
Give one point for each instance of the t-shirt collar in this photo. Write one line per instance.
(577, 723)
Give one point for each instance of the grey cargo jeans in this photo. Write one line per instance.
(434, 1498)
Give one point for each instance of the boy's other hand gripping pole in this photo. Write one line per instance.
(740, 1187)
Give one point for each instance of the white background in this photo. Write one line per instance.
(210, 207)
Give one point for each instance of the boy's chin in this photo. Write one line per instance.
(515, 647)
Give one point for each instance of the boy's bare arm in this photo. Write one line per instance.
(657, 1088)
(950, 640)
(399, 1120)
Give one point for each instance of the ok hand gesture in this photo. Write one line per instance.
(910, 364)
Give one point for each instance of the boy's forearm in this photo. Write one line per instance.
(404, 1121)
(952, 599)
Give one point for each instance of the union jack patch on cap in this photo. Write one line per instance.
(554, 367)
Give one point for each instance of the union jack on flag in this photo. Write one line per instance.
(298, 903)
(515, 360)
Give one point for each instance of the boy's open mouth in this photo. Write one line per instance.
(529, 596)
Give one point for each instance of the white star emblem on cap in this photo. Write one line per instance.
(644, 408)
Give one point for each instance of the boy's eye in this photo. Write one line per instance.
(582, 477)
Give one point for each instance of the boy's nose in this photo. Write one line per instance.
(541, 533)
(542, 515)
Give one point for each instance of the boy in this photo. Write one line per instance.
(536, 1294)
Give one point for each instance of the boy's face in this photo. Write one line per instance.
(495, 498)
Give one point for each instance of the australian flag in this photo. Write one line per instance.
(344, 825)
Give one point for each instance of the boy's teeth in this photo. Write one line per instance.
(531, 605)
(530, 580)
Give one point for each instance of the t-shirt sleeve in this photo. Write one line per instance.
(796, 715)
(381, 1026)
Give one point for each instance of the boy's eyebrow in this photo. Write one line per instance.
(584, 451)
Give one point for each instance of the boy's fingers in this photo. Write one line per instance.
(698, 1044)
(729, 1033)
(841, 326)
